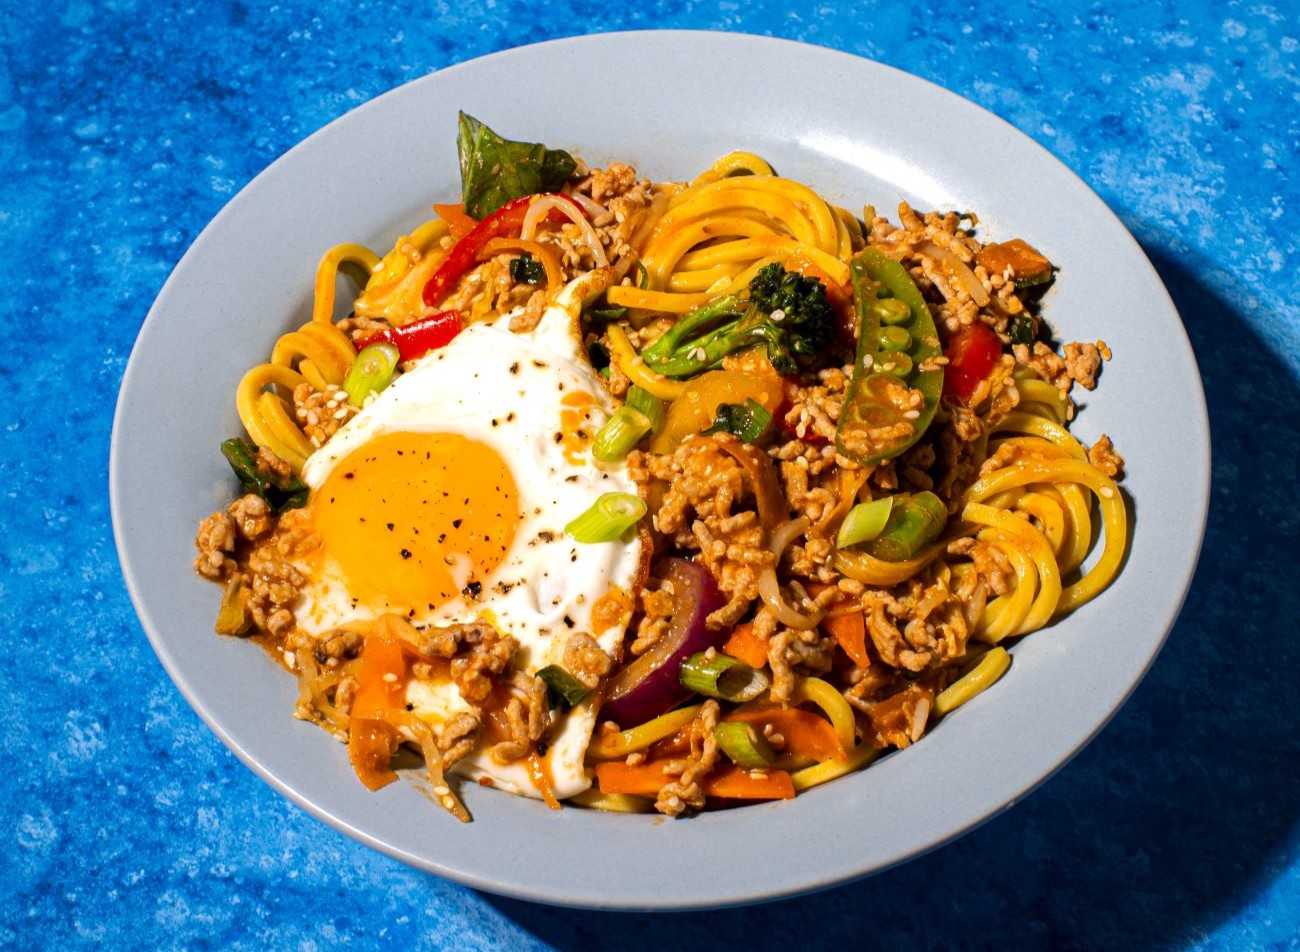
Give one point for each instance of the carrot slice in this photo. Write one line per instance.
(805, 734)
(736, 784)
(849, 629)
(645, 780)
(746, 646)
(456, 219)
(381, 676)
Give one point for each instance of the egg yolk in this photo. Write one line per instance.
(415, 520)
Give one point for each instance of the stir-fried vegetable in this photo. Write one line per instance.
(914, 521)
(562, 688)
(895, 390)
(696, 409)
(642, 413)
(786, 313)
(744, 746)
(494, 170)
(972, 354)
(280, 492)
(1027, 264)
(651, 684)
(506, 221)
(724, 677)
(371, 372)
(748, 420)
(609, 517)
(417, 338)
(864, 522)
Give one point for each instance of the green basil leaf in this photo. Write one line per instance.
(494, 170)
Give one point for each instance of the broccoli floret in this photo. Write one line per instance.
(785, 312)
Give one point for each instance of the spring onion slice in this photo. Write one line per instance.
(723, 676)
(641, 399)
(864, 522)
(913, 522)
(371, 372)
(608, 518)
(562, 688)
(620, 434)
(743, 745)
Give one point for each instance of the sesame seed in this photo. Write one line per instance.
(1107, 492)
(911, 414)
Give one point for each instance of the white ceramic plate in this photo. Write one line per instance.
(668, 102)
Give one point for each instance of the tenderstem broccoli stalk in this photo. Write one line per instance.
(786, 313)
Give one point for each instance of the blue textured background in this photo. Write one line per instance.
(124, 127)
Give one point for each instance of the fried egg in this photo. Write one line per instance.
(445, 500)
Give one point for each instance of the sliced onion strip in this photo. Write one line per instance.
(959, 271)
(770, 590)
(539, 209)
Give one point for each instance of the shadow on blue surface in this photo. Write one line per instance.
(1177, 817)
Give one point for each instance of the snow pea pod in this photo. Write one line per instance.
(896, 384)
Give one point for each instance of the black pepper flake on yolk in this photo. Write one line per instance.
(369, 511)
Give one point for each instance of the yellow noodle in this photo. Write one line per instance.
(1040, 393)
(718, 198)
(611, 802)
(1034, 425)
(1051, 519)
(1114, 518)
(265, 415)
(669, 244)
(990, 668)
(621, 295)
(832, 702)
(828, 770)
(1033, 543)
(406, 251)
(1078, 509)
(873, 571)
(637, 738)
(1004, 614)
(806, 207)
(327, 348)
(327, 274)
(627, 360)
(733, 163)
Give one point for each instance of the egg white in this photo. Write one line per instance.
(505, 389)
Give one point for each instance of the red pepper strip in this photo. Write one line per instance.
(418, 337)
(506, 221)
(972, 354)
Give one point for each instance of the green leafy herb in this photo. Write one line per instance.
(494, 170)
(280, 492)
(748, 420)
(527, 270)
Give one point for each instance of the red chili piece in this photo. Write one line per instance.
(972, 354)
(418, 337)
(506, 221)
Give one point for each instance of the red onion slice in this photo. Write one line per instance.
(650, 685)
